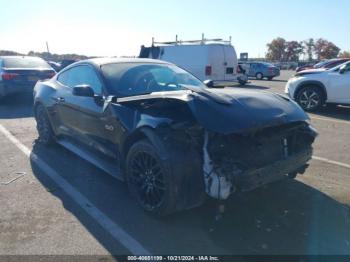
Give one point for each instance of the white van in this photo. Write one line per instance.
(212, 59)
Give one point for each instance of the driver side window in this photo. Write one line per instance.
(81, 75)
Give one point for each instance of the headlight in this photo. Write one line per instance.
(295, 77)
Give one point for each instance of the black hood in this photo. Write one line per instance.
(248, 110)
(232, 110)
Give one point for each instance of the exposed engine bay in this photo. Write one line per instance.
(244, 162)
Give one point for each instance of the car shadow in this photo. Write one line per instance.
(287, 217)
(337, 112)
(266, 80)
(16, 106)
(278, 80)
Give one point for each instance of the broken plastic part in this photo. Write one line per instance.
(216, 186)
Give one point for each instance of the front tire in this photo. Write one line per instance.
(149, 179)
(310, 98)
(46, 135)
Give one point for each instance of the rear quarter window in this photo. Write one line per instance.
(63, 78)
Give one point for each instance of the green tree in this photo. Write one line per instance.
(309, 47)
(293, 50)
(325, 49)
(276, 49)
(344, 54)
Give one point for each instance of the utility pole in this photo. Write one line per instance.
(47, 47)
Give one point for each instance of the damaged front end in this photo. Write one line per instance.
(243, 162)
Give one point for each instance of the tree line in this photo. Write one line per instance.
(290, 51)
(46, 55)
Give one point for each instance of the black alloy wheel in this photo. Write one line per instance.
(148, 179)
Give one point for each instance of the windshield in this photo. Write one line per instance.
(131, 79)
(320, 64)
(267, 64)
(339, 66)
(25, 62)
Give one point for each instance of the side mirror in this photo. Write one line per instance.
(209, 83)
(343, 69)
(83, 90)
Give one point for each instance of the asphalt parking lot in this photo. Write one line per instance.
(53, 202)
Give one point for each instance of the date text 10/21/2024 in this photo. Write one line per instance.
(173, 258)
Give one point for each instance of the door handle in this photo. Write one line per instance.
(59, 99)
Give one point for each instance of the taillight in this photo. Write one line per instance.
(238, 70)
(271, 69)
(208, 70)
(8, 76)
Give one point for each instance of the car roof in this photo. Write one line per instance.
(111, 60)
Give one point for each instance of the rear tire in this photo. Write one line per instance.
(310, 98)
(242, 83)
(149, 179)
(270, 78)
(259, 76)
(46, 135)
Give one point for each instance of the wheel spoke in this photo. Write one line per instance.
(309, 99)
(148, 179)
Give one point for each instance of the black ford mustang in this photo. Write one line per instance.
(170, 137)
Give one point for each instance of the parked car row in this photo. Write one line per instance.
(325, 64)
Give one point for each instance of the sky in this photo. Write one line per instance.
(120, 27)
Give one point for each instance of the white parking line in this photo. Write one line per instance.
(115, 230)
(326, 160)
(330, 120)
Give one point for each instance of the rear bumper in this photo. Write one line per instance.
(273, 74)
(252, 179)
(7, 89)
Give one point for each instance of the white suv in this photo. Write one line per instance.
(312, 89)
